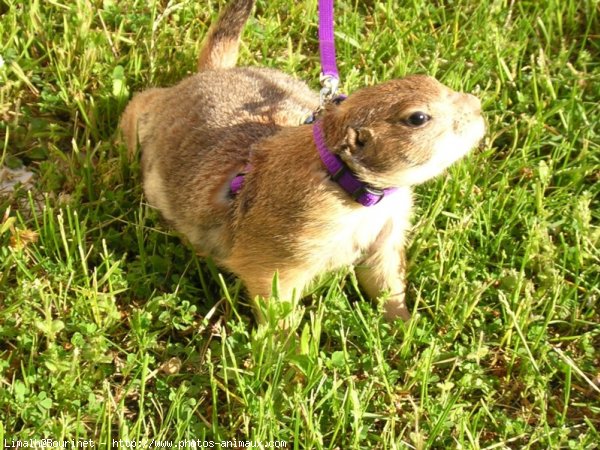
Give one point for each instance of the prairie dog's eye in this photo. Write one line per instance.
(417, 119)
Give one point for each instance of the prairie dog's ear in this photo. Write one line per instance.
(357, 137)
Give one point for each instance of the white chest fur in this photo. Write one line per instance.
(350, 234)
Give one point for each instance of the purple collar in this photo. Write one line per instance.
(340, 173)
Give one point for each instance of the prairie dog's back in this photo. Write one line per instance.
(211, 108)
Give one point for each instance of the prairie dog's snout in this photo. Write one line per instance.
(468, 109)
(456, 126)
(461, 127)
(473, 102)
(466, 101)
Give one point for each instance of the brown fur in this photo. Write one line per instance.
(290, 217)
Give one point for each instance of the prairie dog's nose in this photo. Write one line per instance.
(474, 102)
(467, 101)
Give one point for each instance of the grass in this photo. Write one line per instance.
(111, 328)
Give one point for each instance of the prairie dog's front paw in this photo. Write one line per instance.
(394, 307)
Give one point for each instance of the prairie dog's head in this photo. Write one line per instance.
(403, 132)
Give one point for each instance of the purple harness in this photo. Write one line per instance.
(339, 172)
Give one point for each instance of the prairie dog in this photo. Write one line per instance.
(290, 216)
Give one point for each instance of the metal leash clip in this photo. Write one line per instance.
(330, 85)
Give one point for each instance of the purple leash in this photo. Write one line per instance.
(330, 78)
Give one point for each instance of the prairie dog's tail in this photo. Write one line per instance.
(221, 45)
